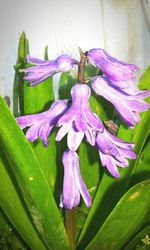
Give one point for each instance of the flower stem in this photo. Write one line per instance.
(81, 67)
(70, 227)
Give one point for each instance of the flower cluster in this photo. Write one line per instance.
(78, 122)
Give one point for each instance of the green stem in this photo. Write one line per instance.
(70, 227)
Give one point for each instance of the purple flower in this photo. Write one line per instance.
(113, 152)
(127, 105)
(79, 120)
(115, 70)
(45, 68)
(42, 124)
(73, 184)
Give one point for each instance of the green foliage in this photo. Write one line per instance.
(125, 220)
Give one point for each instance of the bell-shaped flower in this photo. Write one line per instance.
(73, 184)
(113, 152)
(115, 70)
(128, 106)
(41, 124)
(79, 121)
(46, 68)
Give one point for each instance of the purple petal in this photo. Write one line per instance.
(128, 153)
(121, 162)
(63, 131)
(93, 120)
(34, 83)
(114, 69)
(55, 110)
(101, 86)
(80, 123)
(74, 139)
(28, 120)
(126, 114)
(70, 196)
(90, 135)
(65, 63)
(80, 183)
(143, 94)
(138, 105)
(105, 146)
(80, 93)
(109, 162)
(117, 141)
(36, 61)
(44, 133)
(33, 133)
(69, 116)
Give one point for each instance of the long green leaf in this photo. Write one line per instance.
(141, 169)
(137, 240)
(15, 210)
(129, 215)
(34, 187)
(34, 100)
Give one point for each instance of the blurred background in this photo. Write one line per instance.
(120, 27)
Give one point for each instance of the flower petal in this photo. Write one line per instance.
(33, 133)
(44, 133)
(36, 61)
(105, 146)
(93, 120)
(74, 139)
(90, 135)
(114, 69)
(69, 116)
(80, 183)
(63, 131)
(70, 196)
(80, 122)
(117, 141)
(109, 162)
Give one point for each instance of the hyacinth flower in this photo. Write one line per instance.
(46, 68)
(111, 67)
(79, 121)
(73, 184)
(121, 75)
(41, 124)
(128, 106)
(113, 152)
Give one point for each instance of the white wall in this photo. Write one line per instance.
(121, 27)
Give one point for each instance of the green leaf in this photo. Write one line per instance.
(15, 210)
(46, 53)
(137, 240)
(21, 47)
(33, 184)
(141, 170)
(34, 100)
(23, 51)
(145, 79)
(129, 215)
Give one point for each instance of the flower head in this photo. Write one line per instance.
(113, 152)
(111, 67)
(127, 105)
(46, 68)
(79, 121)
(73, 184)
(41, 124)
